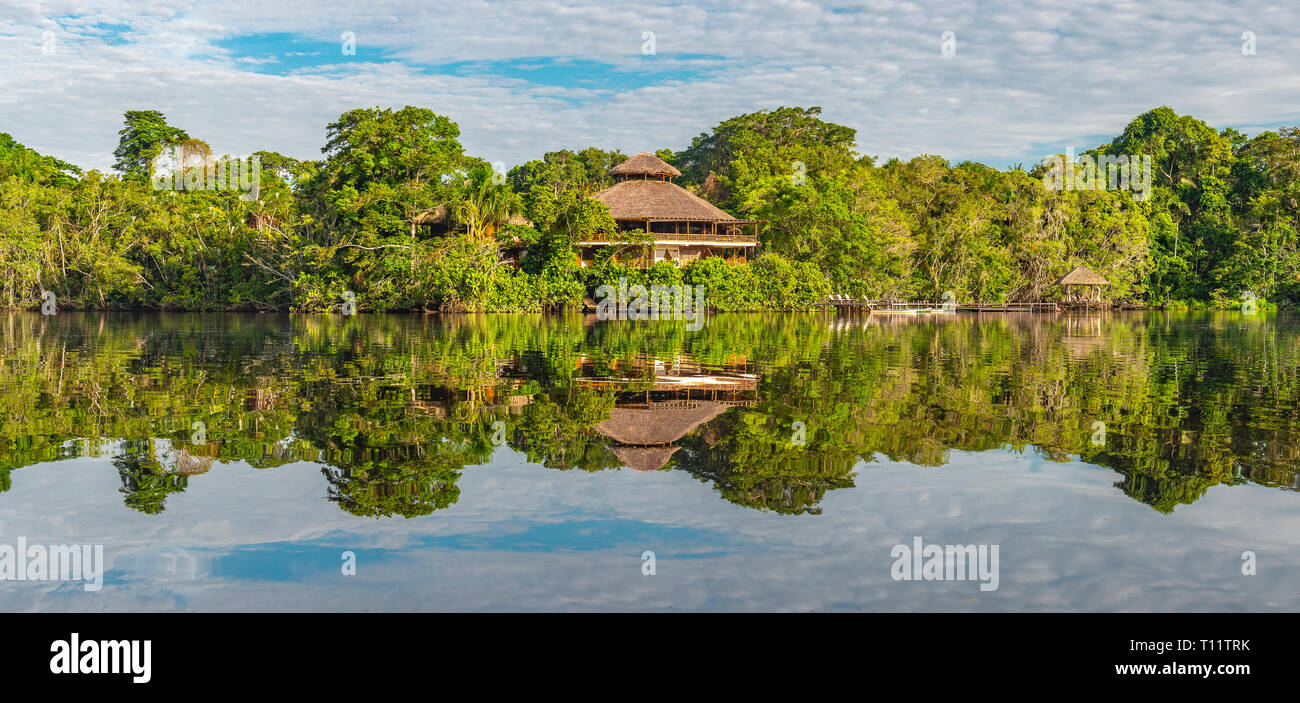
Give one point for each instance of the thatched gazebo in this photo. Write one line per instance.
(1082, 276)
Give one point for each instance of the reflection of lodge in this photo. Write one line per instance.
(442, 402)
(731, 383)
(660, 402)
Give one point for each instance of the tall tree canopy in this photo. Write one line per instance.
(141, 140)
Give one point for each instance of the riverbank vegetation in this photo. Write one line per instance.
(1220, 221)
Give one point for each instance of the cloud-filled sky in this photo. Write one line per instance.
(1026, 79)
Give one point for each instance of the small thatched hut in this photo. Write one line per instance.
(436, 220)
(190, 464)
(1085, 277)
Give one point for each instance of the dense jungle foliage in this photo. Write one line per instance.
(1219, 222)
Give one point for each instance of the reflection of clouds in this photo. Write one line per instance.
(167, 563)
(1069, 540)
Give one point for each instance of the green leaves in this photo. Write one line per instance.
(143, 138)
(1222, 218)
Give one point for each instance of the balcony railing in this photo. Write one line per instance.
(625, 237)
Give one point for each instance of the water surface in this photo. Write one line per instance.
(770, 462)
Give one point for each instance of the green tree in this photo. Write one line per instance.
(143, 138)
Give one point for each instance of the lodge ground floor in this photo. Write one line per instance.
(675, 252)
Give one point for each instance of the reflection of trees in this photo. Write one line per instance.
(555, 430)
(751, 461)
(387, 490)
(145, 483)
(386, 458)
(1164, 494)
(397, 407)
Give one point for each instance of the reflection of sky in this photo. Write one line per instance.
(525, 538)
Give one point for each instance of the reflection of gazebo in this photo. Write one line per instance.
(189, 464)
(1082, 276)
(1083, 334)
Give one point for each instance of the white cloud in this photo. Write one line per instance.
(1025, 76)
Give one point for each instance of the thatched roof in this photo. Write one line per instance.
(1082, 276)
(644, 458)
(660, 423)
(649, 200)
(644, 164)
(431, 216)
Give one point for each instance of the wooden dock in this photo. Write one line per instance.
(1041, 306)
(914, 307)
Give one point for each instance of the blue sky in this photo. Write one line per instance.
(520, 78)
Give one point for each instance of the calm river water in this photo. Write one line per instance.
(765, 462)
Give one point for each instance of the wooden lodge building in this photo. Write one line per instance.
(685, 227)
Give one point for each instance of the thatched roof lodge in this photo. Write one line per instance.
(685, 227)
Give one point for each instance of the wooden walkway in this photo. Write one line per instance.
(897, 306)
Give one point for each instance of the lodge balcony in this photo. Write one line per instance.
(727, 233)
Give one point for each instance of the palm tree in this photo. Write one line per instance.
(486, 206)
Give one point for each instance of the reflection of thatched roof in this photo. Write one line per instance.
(649, 200)
(644, 164)
(659, 423)
(644, 458)
(1080, 345)
(1082, 276)
(189, 465)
